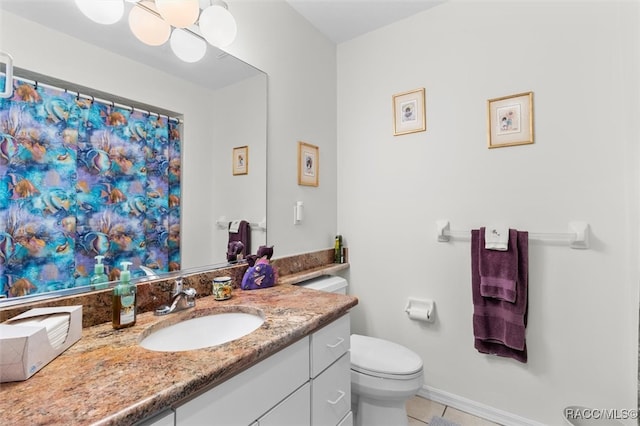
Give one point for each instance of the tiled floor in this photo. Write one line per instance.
(421, 410)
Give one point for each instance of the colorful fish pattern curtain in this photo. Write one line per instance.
(80, 178)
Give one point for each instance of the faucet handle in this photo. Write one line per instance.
(177, 286)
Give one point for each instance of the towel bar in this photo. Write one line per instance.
(223, 223)
(577, 237)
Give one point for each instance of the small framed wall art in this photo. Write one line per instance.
(241, 160)
(409, 115)
(510, 120)
(308, 164)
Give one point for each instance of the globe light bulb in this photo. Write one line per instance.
(104, 12)
(187, 46)
(179, 13)
(147, 27)
(218, 26)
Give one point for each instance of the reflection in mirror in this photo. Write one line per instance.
(221, 100)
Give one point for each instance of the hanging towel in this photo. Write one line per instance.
(497, 238)
(499, 269)
(240, 231)
(499, 326)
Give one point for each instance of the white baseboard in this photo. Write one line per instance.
(475, 408)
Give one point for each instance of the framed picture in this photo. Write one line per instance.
(409, 114)
(510, 120)
(241, 160)
(308, 163)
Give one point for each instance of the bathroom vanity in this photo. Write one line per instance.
(294, 368)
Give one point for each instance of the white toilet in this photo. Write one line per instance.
(384, 375)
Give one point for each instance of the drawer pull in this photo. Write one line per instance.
(338, 399)
(340, 341)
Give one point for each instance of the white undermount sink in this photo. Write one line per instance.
(202, 332)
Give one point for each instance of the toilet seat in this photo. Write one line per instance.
(381, 358)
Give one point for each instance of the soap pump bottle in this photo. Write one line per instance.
(124, 300)
(99, 278)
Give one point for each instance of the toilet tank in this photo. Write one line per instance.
(329, 283)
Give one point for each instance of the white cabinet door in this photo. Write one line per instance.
(244, 398)
(293, 411)
(329, 343)
(331, 393)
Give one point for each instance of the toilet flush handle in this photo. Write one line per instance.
(338, 399)
(340, 340)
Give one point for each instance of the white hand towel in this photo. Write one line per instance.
(496, 237)
(235, 226)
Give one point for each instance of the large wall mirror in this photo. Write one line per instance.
(221, 101)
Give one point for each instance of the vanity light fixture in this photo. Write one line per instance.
(188, 28)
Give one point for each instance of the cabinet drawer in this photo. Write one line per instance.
(329, 343)
(293, 411)
(331, 393)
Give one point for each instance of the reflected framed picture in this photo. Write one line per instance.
(241, 160)
(409, 115)
(510, 120)
(308, 164)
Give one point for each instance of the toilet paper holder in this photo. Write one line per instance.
(420, 309)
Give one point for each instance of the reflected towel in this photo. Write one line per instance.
(499, 326)
(243, 234)
(499, 269)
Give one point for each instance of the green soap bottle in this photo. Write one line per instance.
(99, 279)
(124, 300)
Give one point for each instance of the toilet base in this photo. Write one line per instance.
(379, 413)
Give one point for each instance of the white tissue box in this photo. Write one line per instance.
(43, 335)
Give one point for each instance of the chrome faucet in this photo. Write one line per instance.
(181, 299)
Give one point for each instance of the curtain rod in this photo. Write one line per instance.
(93, 98)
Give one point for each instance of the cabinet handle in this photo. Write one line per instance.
(340, 340)
(338, 399)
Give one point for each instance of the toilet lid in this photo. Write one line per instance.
(374, 356)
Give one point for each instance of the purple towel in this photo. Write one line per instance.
(243, 235)
(499, 326)
(499, 269)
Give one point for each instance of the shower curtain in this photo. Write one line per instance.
(82, 178)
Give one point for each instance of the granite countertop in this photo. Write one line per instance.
(106, 378)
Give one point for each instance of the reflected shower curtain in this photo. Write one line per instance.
(80, 178)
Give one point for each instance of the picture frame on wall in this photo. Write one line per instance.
(240, 163)
(308, 164)
(409, 115)
(510, 120)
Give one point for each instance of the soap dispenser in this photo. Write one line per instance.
(124, 300)
(99, 278)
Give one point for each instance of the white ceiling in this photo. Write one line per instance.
(342, 20)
